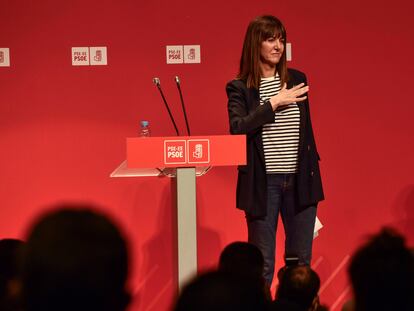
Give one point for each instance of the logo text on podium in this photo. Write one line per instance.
(175, 152)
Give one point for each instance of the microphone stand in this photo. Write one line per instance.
(177, 81)
(158, 84)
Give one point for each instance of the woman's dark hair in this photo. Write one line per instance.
(259, 30)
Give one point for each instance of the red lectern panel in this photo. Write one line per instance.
(186, 151)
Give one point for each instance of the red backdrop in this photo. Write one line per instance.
(63, 128)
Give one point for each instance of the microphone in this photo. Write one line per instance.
(178, 82)
(157, 82)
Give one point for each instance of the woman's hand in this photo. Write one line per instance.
(288, 96)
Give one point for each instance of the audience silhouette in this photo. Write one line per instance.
(10, 285)
(221, 291)
(298, 289)
(243, 259)
(75, 259)
(382, 274)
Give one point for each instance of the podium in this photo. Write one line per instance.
(183, 158)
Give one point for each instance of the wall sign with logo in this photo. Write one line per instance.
(98, 55)
(179, 54)
(288, 52)
(192, 54)
(85, 56)
(80, 56)
(4, 57)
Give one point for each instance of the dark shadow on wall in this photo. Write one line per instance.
(158, 285)
(209, 245)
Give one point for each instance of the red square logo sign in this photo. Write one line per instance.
(198, 151)
(175, 152)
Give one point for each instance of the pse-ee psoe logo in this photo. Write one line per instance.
(175, 54)
(85, 56)
(183, 54)
(192, 151)
(80, 56)
(175, 152)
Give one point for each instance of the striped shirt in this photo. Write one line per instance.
(281, 138)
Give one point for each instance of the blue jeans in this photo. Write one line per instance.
(281, 197)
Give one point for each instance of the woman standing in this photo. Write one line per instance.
(268, 102)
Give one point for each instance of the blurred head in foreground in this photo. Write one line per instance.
(299, 286)
(221, 291)
(382, 273)
(76, 259)
(10, 286)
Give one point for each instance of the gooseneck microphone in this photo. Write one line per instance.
(178, 82)
(157, 82)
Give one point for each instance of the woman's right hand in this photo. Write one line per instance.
(288, 96)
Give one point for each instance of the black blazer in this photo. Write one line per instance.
(247, 116)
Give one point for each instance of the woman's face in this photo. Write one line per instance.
(271, 51)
